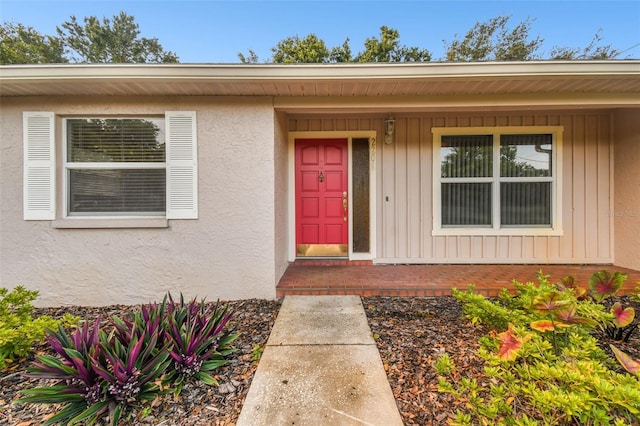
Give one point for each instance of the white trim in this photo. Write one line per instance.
(72, 165)
(103, 223)
(323, 72)
(555, 179)
(349, 135)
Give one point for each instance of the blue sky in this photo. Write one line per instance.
(215, 31)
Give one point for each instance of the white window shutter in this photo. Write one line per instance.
(39, 165)
(182, 165)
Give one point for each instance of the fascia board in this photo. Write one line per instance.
(318, 72)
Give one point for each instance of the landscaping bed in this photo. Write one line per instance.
(412, 334)
(198, 403)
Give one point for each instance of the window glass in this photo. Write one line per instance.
(466, 156)
(525, 203)
(115, 140)
(116, 166)
(520, 195)
(466, 204)
(525, 155)
(117, 191)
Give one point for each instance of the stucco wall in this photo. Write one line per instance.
(626, 210)
(281, 223)
(226, 253)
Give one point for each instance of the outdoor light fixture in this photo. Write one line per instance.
(389, 130)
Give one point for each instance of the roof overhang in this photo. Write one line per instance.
(308, 86)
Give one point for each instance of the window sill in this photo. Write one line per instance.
(514, 232)
(87, 223)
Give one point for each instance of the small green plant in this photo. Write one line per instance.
(542, 361)
(444, 365)
(256, 352)
(636, 296)
(18, 329)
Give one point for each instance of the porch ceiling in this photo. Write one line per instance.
(618, 81)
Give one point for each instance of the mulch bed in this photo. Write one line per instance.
(411, 333)
(198, 404)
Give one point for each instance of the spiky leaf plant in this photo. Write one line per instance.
(200, 338)
(78, 384)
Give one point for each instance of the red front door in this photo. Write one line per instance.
(322, 227)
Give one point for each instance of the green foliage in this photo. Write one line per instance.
(256, 352)
(25, 45)
(311, 49)
(388, 49)
(542, 363)
(18, 329)
(592, 51)
(114, 40)
(636, 295)
(199, 339)
(157, 351)
(493, 40)
(444, 365)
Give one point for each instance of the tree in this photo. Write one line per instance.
(388, 49)
(309, 50)
(24, 45)
(592, 51)
(493, 40)
(112, 41)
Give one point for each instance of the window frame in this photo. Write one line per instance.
(496, 229)
(67, 166)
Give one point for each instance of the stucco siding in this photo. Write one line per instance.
(404, 181)
(626, 209)
(280, 172)
(226, 253)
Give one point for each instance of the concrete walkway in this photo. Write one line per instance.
(320, 367)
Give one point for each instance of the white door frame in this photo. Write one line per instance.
(367, 134)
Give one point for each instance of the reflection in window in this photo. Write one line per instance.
(518, 193)
(525, 155)
(466, 156)
(116, 166)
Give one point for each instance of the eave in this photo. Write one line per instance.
(588, 83)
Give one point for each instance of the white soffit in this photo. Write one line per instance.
(406, 80)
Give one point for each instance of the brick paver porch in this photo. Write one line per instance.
(310, 277)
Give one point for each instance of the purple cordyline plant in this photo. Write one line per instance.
(77, 352)
(162, 346)
(199, 340)
(79, 385)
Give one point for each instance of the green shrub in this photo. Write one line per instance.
(542, 363)
(18, 329)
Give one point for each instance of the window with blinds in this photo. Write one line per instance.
(495, 180)
(115, 167)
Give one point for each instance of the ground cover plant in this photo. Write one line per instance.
(543, 360)
(19, 329)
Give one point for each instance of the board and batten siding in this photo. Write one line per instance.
(404, 190)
